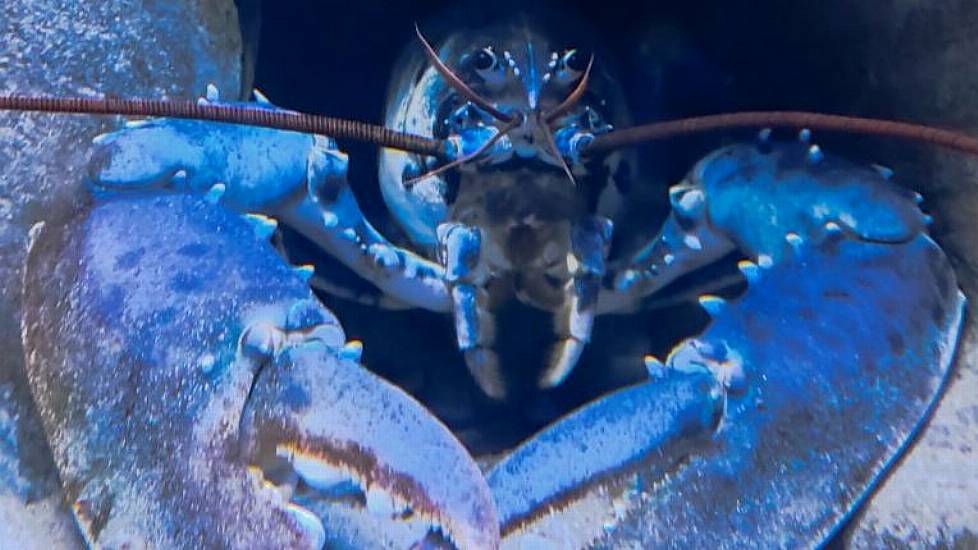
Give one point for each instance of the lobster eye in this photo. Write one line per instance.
(487, 66)
(484, 60)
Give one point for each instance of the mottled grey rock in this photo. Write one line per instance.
(148, 48)
(920, 55)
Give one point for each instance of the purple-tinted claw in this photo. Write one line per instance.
(320, 415)
(196, 396)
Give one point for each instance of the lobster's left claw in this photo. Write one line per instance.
(350, 437)
(825, 368)
(196, 396)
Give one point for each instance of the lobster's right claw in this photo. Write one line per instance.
(820, 373)
(195, 395)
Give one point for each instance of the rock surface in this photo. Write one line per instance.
(921, 57)
(151, 48)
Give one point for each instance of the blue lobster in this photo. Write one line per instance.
(185, 373)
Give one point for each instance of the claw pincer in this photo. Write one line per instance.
(195, 395)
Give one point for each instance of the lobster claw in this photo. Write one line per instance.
(824, 368)
(195, 395)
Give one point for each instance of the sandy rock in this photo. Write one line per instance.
(153, 48)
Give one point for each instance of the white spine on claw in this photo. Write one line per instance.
(693, 242)
(179, 179)
(815, 154)
(305, 272)
(384, 255)
(353, 350)
(263, 226)
(794, 239)
(884, 171)
(712, 304)
(213, 94)
(260, 97)
(215, 193)
(656, 368)
(750, 270)
(330, 220)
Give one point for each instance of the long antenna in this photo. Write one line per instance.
(385, 137)
(234, 114)
(792, 119)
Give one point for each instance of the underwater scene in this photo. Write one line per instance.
(477, 275)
